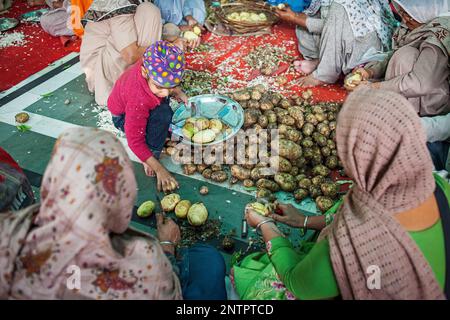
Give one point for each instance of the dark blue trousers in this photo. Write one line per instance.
(439, 153)
(157, 126)
(202, 273)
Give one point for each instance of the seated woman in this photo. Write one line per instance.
(394, 223)
(418, 68)
(334, 35)
(114, 39)
(55, 22)
(181, 15)
(73, 244)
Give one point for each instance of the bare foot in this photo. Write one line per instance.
(148, 170)
(306, 66)
(33, 3)
(310, 81)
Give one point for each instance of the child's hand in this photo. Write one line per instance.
(192, 44)
(180, 96)
(165, 181)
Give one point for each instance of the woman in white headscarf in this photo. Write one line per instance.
(418, 68)
(334, 35)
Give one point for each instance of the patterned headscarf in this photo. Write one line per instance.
(365, 16)
(88, 192)
(382, 146)
(164, 63)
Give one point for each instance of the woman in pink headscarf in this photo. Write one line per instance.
(62, 248)
(391, 235)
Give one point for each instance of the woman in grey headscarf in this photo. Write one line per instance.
(418, 68)
(334, 35)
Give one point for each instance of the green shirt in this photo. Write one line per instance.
(313, 278)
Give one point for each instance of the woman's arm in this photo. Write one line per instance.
(429, 70)
(437, 128)
(308, 278)
(194, 12)
(290, 16)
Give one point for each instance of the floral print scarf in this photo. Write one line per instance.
(365, 16)
(64, 248)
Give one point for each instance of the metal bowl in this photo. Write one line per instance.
(210, 106)
(8, 23)
(33, 16)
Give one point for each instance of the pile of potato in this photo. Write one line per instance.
(307, 150)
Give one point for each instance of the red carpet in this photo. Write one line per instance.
(226, 60)
(40, 50)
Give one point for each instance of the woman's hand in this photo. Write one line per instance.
(191, 21)
(365, 76)
(192, 44)
(168, 230)
(285, 14)
(268, 230)
(253, 218)
(290, 216)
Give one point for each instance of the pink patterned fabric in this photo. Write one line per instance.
(382, 146)
(88, 192)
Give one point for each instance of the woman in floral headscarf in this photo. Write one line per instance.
(72, 245)
(419, 67)
(88, 191)
(334, 36)
(391, 236)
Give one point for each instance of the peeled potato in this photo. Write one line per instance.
(204, 136)
(197, 30)
(352, 80)
(215, 125)
(169, 202)
(197, 214)
(182, 208)
(146, 209)
(202, 123)
(189, 130)
(259, 208)
(189, 35)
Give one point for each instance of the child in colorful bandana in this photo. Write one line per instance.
(139, 104)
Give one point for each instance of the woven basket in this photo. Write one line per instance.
(251, 7)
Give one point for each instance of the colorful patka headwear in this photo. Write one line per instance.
(164, 63)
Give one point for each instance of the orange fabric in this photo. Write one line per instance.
(420, 218)
(79, 8)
